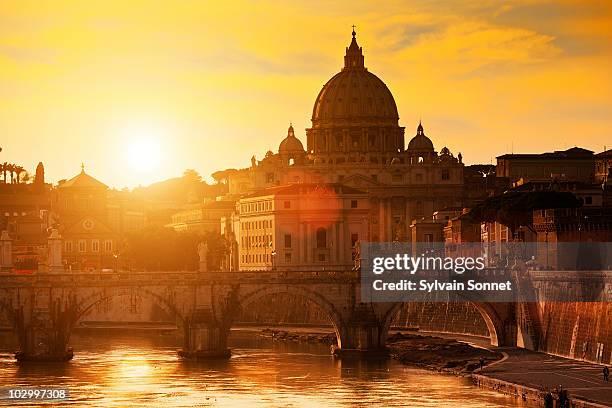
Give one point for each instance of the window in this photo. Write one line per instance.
(288, 257)
(287, 240)
(321, 257)
(95, 245)
(445, 174)
(354, 239)
(588, 200)
(321, 238)
(108, 245)
(353, 203)
(374, 177)
(68, 246)
(287, 204)
(82, 245)
(269, 177)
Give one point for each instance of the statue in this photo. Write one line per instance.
(203, 254)
(6, 251)
(54, 254)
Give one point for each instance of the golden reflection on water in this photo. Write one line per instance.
(119, 371)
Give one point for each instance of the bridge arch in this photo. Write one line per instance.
(86, 303)
(491, 317)
(249, 297)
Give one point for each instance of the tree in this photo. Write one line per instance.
(192, 176)
(160, 248)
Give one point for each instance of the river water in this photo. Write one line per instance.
(119, 370)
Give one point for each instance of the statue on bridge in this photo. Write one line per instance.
(203, 254)
(54, 254)
(6, 251)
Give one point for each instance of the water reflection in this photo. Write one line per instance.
(120, 370)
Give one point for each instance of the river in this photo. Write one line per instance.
(118, 370)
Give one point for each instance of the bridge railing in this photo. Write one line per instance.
(77, 278)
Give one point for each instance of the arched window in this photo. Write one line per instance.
(321, 238)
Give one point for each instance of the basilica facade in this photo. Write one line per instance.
(356, 140)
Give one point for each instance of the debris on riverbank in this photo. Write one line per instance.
(284, 335)
(439, 354)
(429, 352)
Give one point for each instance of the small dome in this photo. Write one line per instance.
(291, 144)
(420, 142)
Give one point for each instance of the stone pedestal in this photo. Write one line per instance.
(43, 337)
(362, 340)
(204, 341)
(6, 251)
(54, 255)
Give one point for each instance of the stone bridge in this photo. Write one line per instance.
(44, 307)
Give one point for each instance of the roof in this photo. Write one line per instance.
(301, 188)
(604, 154)
(220, 205)
(573, 153)
(83, 180)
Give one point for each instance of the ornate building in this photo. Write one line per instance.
(356, 140)
(300, 225)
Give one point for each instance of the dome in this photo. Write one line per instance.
(290, 144)
(355, 95)
(420, 142)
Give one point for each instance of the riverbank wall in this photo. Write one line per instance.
(530, 395)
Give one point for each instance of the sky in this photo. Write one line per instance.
(139, 91)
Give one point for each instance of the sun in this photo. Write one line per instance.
(143, 152)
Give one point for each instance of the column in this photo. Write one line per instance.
(333, 253)
(302, 242)
(341, 243)
(388, 220)
(381, 219)
(307, 246)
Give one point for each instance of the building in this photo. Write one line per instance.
(575, 164)
(80, 205)
(24, 214)
(430, 230)
(301, 225)
(568, 238)
(202, 218)
(356, 140)
(93, 221)
(603, 166)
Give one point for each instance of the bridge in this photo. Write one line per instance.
(43, 308)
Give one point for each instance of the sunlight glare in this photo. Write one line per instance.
(143, 152)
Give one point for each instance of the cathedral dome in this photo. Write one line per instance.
(420, 142)
(354, 95)
(290, 144)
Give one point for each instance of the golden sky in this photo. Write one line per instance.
(205, 85)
